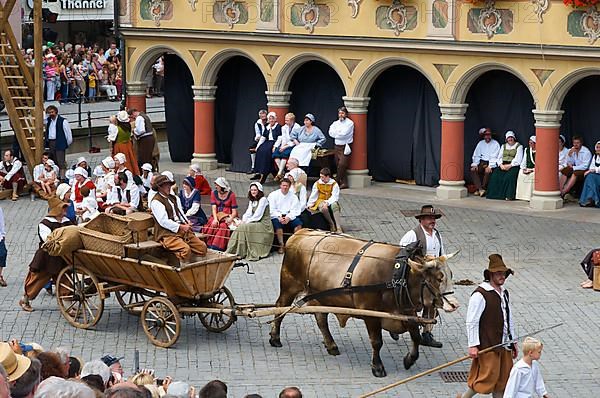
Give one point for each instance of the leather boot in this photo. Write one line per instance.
(428, 340)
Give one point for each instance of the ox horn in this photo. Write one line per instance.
(415, 265)
(430, 263)
(449, 256)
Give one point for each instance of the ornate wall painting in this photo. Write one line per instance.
(439, 17)
(156, 10)
(267, 10)
(490, 21)
(584, 23)
(230, 13)
(310, 15)
(396, 17)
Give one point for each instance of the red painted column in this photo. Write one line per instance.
(136, 96)
(452, 184)
(279, 102)
(204, 127)
(546, 193)
(358, 169)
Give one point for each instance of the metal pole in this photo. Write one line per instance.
(89, 115)
(37, 79)
(79, 109)
(119, 36)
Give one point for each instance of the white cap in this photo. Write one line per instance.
(120, 157)
(532, 138)
(50, 162)
(258, 186)
(510, 133)
(61, 190)
(169, 175)
(80, 159)
(222, 182)
(147, 167)
(108, 162)
(196, 167)
(81, 171)
(98, 171)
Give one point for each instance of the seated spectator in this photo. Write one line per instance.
(38, 174)
(124, 390)
(48, 179)
(146, 176)
(224, 213)
(259, 128)
(578, 161)
(563, 154)
(15, 365)
(284, 144)
(122, 165)
(506, 164)
(105, 183)
(290, 392)
(75, 365)
(305, 140)
(295, 171)
(299, 190)
(590, 195)
(80, 162)
(264, 149)
(81, 179)
(141, 379)
(106, 84)
(98, 368)
(12, 176)
(89, 207)
(190, 202)
(55, 387)
(124, 197)
(284, 207)
(51, 365)
(253, 238)
(324, 199)
(115, 366)
(201, 184)
(63, 354)
(171, 228)
(63, 192)
(526, 176)
(589, 261)
(485, 151)
(25, 378)
(213, 389)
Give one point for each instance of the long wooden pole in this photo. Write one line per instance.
(37, 79)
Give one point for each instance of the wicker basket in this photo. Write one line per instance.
(107, 234)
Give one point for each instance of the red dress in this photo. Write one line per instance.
(202, 185)
(218, 236)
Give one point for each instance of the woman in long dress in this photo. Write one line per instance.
(264, 149)
(190, 201)
(224, 212)
(590, 195)
(253, 238)
(305, 140)
(123, 144)
(503, 182)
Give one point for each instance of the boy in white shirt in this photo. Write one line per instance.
(525, 377)
(89, 206)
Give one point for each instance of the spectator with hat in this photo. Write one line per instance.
(80, 162)
(147, 176)
(15, 365)
(190, 203)
(201, 184)
(489, 323)
(264, 148)
(485, 151)
(563, 153)
(114, 364)
(123, 143)
(506, 165)
(96, 368)
(306, 139)
(63, 192)
(224, 213)
(171, 228)
(81, 179)
(526, 176)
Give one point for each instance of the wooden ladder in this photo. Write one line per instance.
(18, 92)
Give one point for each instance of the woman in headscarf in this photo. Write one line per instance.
(503, 182)
(253, 238)
(190, 202)
(224, 212)
(264, 148)
(123, 142)
(590, 195)
(305, 139)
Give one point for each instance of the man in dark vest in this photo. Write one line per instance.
(430, 242)
(489, 322)
(58, 137)
(145, 136)
(171, 227)
(45, 267)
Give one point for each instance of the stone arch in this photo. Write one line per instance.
(369, 76)
(561, 89)
(147, 59)
(464, 83)
(286, 73)
(211, 70)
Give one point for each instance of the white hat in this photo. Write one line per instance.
(532, 138)
(123, 116)
(147, 167)
(258, 186)
(222, 182)
(510, 133)
(50, 162)
(108, 162)
(61, 190)
(81, 171)
(80, 159)
(169, 175)
(98, 171)
(562, 137)
(272, 114)
(196, 167)
(483, 130)
(120, 157)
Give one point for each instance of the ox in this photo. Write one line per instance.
(317, 261)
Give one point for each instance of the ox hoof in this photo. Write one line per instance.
(378, 371)
(275, 343)
(408, 362)
(395, 336)
(333, 350)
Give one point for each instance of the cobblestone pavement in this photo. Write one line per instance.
(544, 252)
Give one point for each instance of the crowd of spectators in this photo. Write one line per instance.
(29, 371)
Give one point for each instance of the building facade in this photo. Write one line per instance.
(419, 78)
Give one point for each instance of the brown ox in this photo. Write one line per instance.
(316, 261)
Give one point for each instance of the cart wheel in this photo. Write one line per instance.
(218, 322)
(161, 321)
(79, 297)
(132, 301)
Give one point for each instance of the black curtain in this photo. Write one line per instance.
(240, 95)
(404, 128)
(179, 108)
(316, 88)
(580, 116)
(500, 101)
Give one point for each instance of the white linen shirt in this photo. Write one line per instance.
(562, 158)
(140, 127)
(162, 218)
(260, 205)
(284, 204)
(593, 168)
(258, 129)
(515, 162)
(475, 309)
(16, 166)
(314, 195)
(524, 381)
(284, 140)
(44, 231)
(342, 131)
(580, 160)
(66, 129)
(433, 244)
(113, 195)
(485, 151)
(524, 160)
(302, 196)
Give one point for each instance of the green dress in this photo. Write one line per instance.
(503, 184)
(253, 240)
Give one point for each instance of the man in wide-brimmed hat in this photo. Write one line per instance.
(430, 243)
(489, 322)
(45, 267)
(172, 229)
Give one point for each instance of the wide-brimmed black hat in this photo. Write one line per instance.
(429, 211)
(496, 265)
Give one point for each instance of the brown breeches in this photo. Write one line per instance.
(490, 371)
(35, 282)
(480, 177)
(341, 162)
(184, 246)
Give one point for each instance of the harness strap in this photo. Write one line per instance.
(347, 281)
(342, 290)
(311, 257)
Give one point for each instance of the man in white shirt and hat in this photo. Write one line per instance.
(342, 131)
(486, 150)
